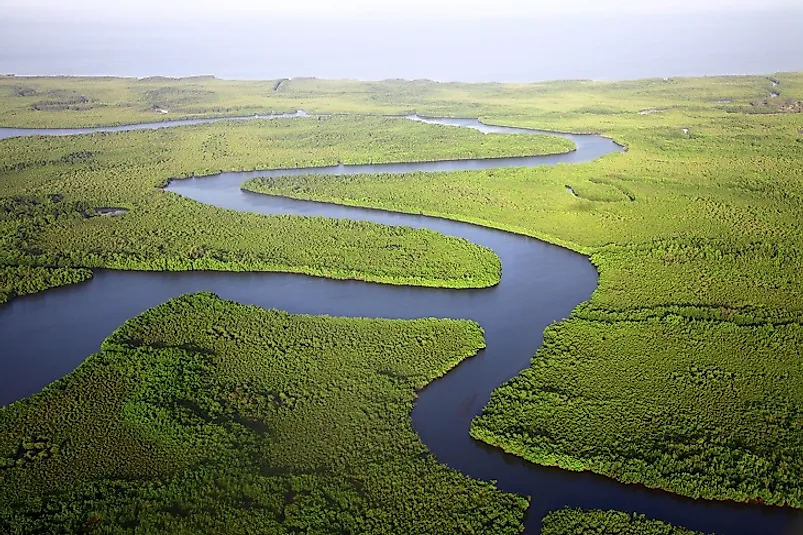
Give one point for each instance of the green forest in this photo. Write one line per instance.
(713, 425)
(681, 372)
(696, 233)
(207, 416)
(571, 521)
(23, 280)
(51, 186)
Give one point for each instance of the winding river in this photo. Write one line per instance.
(45, 336)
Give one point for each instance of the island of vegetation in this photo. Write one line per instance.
(207, 416)
(571, 521)
(51, 187)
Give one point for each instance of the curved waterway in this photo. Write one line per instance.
(7, 132)
(45, 336)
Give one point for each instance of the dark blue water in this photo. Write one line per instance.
(46, 335)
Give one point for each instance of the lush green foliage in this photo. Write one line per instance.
(699, 220)
(22, 280)
(171, 240)
(696, 231)
(48, 187)
(573, 105)
(206, 416)
(663, 401)
(579, 522)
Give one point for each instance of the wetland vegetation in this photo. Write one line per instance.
(207, 416)
(681, 372)
(571, 521)
(691, 341)
(51, 186)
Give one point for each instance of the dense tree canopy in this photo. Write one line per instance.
(578, 522)
(696, 231)
(206, 416)
(697, 234)
(51, 187)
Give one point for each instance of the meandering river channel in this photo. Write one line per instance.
(45, 336)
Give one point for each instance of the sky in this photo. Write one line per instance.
(445, 40)
(369, 8)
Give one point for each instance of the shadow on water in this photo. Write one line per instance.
(46, 335)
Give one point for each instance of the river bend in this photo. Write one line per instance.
(45, 336)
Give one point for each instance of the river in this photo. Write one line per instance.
(45, 336)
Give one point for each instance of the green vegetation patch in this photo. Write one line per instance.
(696, 232)
(129, 100)
(571, 521)
(204, 416)
(50, 189)
(707, 409)
(681, 371)
(44, 232)
(23, 280)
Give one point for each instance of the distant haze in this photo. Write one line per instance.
(356, 9)
(141, 39)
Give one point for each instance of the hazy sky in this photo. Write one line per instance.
(465, 40)
(359, 8)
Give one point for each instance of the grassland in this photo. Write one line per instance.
(206, 416)
(576, 521)
(50, 187)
